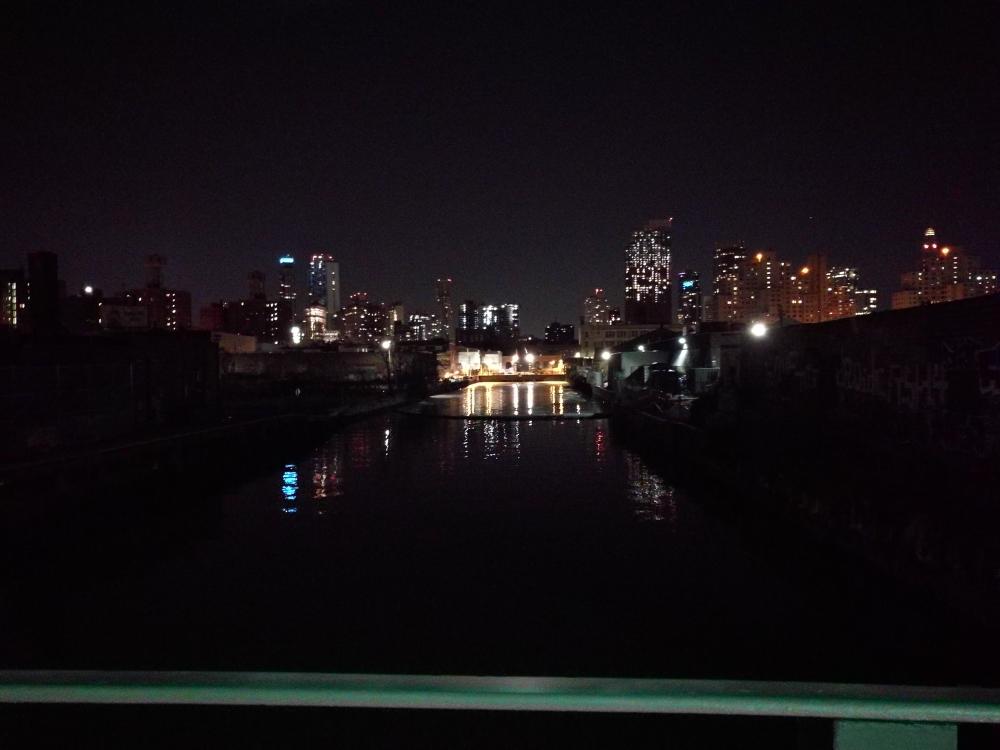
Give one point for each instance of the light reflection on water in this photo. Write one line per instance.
(652, 498)
(528, 399)
(367, 459)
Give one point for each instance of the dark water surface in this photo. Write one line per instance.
(409, 544)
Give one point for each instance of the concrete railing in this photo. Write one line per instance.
(865, 716)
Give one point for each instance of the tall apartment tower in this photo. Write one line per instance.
(596, 309)
(333, 285)
(727, 263)
(689, 300)
(446, 312)
(255, 285)
(286, 278)
(647, 274)
(317, 277)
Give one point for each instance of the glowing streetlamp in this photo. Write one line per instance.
(296, 335)
(605, 355)
(758, 330)
(387, 348)
(578, 355)
(641, 347)
(88, 289)
(529, 358)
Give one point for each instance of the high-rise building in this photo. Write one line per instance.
(43, 292)
(286, 278)
(865, 301)
(255, 286)
(510, 317)
(946, 273)
(841, 292)
(396, 323)
(315, 320)
(647, 274)
(468, 316)
(333, 284)
(423, 327)
(493, 326)
(596, 309)
(559, 333)
(166, 309)
(13, 296)
(446, 313)
(727, 265)
(318, 277)
(364, 322)
(689, 303)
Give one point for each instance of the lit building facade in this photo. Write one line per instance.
(647, 274)
(596, 309)
(945, 274)
(315, 322)
(689, 301)
(559, 333)
(494, 326)
(166, 309)
(594, 339)
(318, 263)
(424, 327)
(286, 279)
(363, 322)
(727, 268)
(446, 313)
(841, 292)
(13, 296)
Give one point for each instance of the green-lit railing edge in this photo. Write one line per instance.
(834, 701)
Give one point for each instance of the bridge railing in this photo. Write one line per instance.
(865, 716)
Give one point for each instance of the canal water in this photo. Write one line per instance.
(475, 544)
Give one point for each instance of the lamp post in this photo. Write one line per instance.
(387, 346)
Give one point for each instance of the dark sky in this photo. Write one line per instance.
(509, 146)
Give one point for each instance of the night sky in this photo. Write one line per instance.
(510, 147)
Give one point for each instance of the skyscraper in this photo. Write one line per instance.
(333, 285)
(841, 292)
(43, 292)
(689, 300)
(647, 274)
(255, 285)
(596, 309)
(446, 313)
(468, 316)
(318, 278)
(946, 273)
(286, 278)
(13, 296)
(727, 263)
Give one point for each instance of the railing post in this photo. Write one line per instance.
(894, 735)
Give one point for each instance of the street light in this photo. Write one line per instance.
(642, 347)
(529, 357)
(578, 355)
(758, 330)
(605, 355)
(387, 346)
(682, 341)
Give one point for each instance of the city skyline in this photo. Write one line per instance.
(471, 147)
